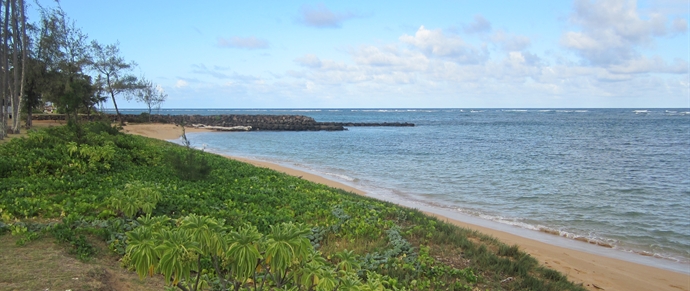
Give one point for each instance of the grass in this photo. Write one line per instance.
(45, 265)
(36, 125)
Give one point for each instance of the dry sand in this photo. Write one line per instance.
(595, 272)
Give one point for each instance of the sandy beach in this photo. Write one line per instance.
(595, 272)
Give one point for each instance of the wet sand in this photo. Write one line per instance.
(594, 271)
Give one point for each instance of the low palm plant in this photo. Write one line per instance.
(243, 254)
(286, 244)
(350, 282)
(155, 223)
(208, 234)
(238, 257)
(178, 255)
(142, 251)
(348, 261)
(135, 197)
(327, 280)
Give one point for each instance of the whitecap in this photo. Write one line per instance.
(341, 176)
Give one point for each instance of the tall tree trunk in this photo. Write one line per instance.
(112, 95)
(15, 71)
(5, 68)
(24, 45)
(2, 73)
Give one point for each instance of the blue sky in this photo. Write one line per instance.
(351, 54)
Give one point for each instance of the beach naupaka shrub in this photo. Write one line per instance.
(136, 197)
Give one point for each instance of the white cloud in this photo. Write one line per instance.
(479, 25)
(611, 31)
(432, 63)
(390, 56)
(322, 17)
(645, 65)
(608, 39)
(509, 42)
(680, 25)
(202, 69)
(309, 60)
(250, 43)
(434, 43)
(679, 66)
(181, 84)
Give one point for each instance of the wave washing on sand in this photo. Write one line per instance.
(592, 238)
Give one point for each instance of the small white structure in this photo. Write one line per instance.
(48, 107)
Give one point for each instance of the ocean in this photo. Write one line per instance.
(618, 178)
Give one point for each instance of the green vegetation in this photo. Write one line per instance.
(238, 227)
(52, 62)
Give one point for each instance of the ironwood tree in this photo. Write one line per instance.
(116, 72)
(150, 94)
(14, 49)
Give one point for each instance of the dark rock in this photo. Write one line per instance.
(257, 122)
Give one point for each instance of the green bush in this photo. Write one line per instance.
(143, 117)
(79, 245)
(102, 126)
(190, 165)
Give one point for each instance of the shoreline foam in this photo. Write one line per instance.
(581, 266)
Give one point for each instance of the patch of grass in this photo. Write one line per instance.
(44, 265)
(494, 260)
(24, 131)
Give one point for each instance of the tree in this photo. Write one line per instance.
(4, 86)
(45, 59)
(76, 58)
(32, 93)
(150, 94)
(116, 71)
(56, 67)
(14, 40)
(78, 91)
(19, 53)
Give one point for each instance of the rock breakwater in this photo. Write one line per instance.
(245, 122)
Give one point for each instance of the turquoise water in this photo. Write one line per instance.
(617, 177)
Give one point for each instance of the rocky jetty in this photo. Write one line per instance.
(240, 122)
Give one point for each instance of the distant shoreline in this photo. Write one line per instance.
(579, 266)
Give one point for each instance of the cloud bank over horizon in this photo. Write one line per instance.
(604, 53)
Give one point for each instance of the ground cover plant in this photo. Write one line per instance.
(236, 226)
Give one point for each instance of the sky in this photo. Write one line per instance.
(400, 54)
